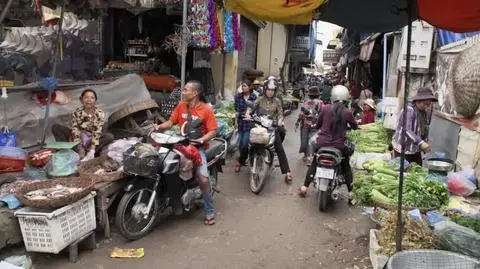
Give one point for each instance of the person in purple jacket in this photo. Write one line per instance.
(416, 129)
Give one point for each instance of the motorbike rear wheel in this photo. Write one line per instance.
(323, 199)
(259, 178)
(130, 215)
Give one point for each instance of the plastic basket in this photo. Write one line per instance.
(51, 231)
(431, 259)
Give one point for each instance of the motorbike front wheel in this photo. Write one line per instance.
(258, 173)
(323, 197)
(130, 216)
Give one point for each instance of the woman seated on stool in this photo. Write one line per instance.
(87, 128)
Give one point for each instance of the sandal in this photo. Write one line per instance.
(288, 179)
(209, 221)
(302, 192)
(237, 167)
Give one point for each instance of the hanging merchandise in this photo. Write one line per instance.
(218, 32)
(211, 20)
(237, 39)
(7, 138)
(199, 23)
(229, 41)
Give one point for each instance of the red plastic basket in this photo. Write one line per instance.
(11, 164)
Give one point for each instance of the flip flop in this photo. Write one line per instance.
(209, 221)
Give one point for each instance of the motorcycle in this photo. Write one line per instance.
(152, 168)
(261, 152)
(329, 176)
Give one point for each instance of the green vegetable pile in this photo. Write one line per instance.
(380, 185)
(467, 221)
(373, 138)
(226, 111)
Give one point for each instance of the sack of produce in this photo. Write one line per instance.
(63, 163)
(458, 184)
(259, 135)
(456, 238)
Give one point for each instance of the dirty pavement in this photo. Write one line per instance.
(276, 229)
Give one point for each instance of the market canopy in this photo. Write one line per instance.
(364, 15)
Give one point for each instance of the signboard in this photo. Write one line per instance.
(331, 56)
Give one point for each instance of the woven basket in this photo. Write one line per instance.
(466, 82)
(88, 169)
(122, 113)
(86, 184)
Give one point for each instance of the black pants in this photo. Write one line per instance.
(411, 158)
(346, 169)
(282, 157)
(63, 134)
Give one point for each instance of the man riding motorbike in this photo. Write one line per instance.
(269, 105)
(333, 122)
(189, 113)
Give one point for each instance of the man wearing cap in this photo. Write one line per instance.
(416, 128)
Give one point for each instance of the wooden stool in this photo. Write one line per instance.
(106, 194)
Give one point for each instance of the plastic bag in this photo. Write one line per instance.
(456, 238)
(117, 148)
(63, 163)
(8, 138)
(234, 140)
(458, 184)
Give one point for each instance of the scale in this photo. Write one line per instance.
(439, 166)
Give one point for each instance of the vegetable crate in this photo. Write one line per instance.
(51, 231)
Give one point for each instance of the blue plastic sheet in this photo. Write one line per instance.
(446, 37)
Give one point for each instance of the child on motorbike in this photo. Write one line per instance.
(334, 121)
(271, 106)
(307, 119)
(242, 101)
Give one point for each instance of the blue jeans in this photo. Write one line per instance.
(244, 138)
(208, 203)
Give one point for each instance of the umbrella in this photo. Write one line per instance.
(364, 15)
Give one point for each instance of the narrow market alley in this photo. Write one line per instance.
(276, 229)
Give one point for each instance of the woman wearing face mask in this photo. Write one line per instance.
(271, 106)
(242, 101)
(87, 127)
(416, 129)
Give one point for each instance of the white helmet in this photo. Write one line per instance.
(339, 93)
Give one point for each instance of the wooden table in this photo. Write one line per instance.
(106, 194)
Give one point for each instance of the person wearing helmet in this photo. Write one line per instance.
(271, 106)
(334, 121)
(307, 119)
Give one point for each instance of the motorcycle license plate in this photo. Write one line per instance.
(324, 173)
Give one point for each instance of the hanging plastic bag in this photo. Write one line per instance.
(234, 141)
(63, 163)
(456, 238)
(7, 138)
(458, 184)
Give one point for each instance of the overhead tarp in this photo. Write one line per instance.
(365, 15)
(447, 37)
(25, 117)
(285, 12)
(458, 16)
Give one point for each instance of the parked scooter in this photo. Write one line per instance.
(152, 168)
(261, 152)
(329, 176)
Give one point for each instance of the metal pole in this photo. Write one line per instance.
(54, 71)
(399, 231)
(184, 44)
(5, 10)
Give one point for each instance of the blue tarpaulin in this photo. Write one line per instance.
(446, 37)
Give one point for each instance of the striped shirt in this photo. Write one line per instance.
(413, 138)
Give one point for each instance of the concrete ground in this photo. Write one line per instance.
(276, 229)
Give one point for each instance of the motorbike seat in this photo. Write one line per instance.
(330, 150)
(215, 148)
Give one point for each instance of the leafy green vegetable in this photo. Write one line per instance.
(467, 221)
(374, 138)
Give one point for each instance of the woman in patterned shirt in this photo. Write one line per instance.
(87, 127)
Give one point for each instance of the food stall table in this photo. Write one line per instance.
(106, 194)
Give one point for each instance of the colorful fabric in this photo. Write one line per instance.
(313, 106)
(199, 23)
(92, 123)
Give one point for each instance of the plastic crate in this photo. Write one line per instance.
(51, 231)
